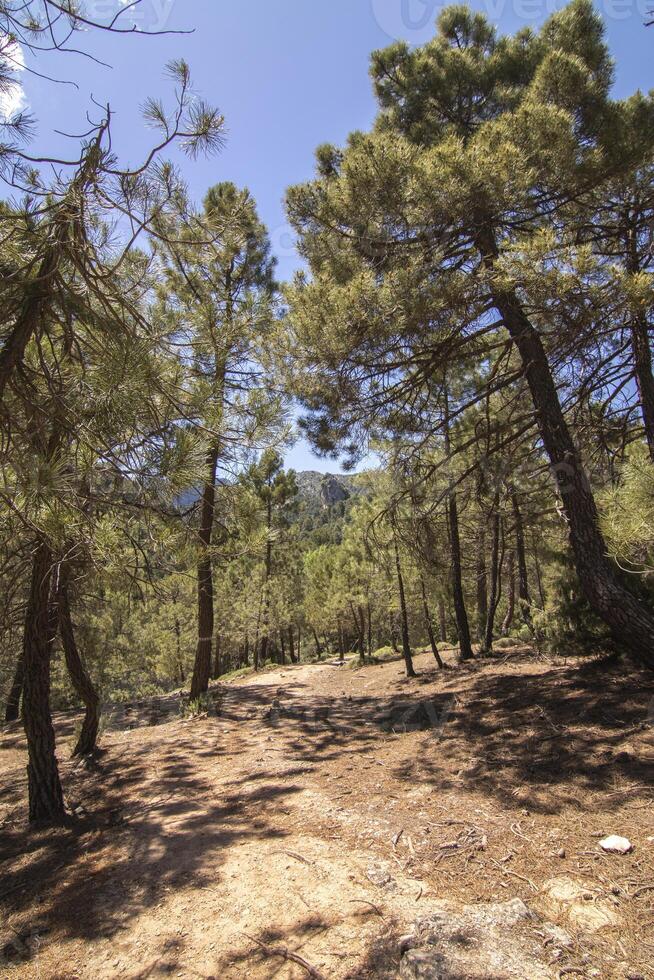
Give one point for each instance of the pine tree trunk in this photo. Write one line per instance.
(291, 644)
(282, 647)
(84, 687)
(202, 666)
(341, 644)
(523, 577)
(442, 619)
(369, 631)
(510, 609)
(429, 625)
(404, 619)
(266, 587)
(460, 613)
(217, 658)
(44, 787)
(482, 583)
(391, 623)
(317, 642)
(12, 708)
(641, 350)
(493, 598)
(630, 622)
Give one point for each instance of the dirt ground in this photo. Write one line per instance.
(323, 809)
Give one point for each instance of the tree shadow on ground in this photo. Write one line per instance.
(155, 816)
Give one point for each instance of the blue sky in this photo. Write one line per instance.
(287, 74)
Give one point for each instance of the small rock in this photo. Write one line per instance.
(380, 877)
(616, 845)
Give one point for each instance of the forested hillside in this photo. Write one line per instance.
(469, 337)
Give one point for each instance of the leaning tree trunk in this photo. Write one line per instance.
(12, 708)
(429, 625)
(84, 687)
(45, 795)
(404, 618)
(630, 622)
(202, 666)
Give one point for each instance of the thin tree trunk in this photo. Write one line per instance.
(429, 625)
(45, 795)
(442, 619)
(510, 609)
(391, 621)
(12, 708)
(630, 622)
(217, 658)
(202, 666)
(299, 644)
(462, 625)
(482, 583)
(266, 586)
(341, 645)
(641, 350)
(523, 576)
(291, 644)
(404, 619)
(493, 598)
(369, 631)
(84, 687)
(282, 646)
(317, 642)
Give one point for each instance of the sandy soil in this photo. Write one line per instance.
(322, 810)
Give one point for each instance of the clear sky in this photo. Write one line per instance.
(287, 74)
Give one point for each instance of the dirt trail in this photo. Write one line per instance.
(324, 809)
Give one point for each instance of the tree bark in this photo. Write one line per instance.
(404, 619)
(628, 619)
(84, 687)
(12, 708)
(44, 787)
(202, 666)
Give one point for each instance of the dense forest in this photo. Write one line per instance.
(467, 343)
